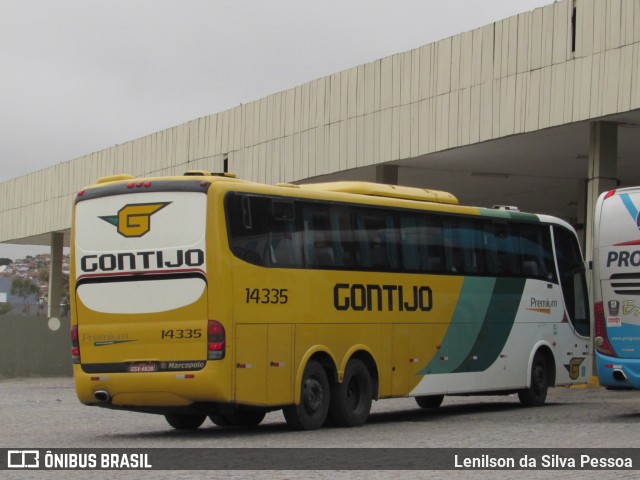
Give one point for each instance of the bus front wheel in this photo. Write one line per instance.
(536, 394)
(184, 422)
(312, 410)
(351, 399)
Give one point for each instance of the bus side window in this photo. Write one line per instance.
(453, 254)
(411, 240)
(507, 249)
(474, 245)
(392, 241)
(316, 237)
(248, 227)
(326, 233)
(284, 245)
(465, 251)
(537, 254)
(490, 248)
(340, 220)
(421, 243)
(378, 239)
(432, 256)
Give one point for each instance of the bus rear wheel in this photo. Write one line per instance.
(351, 399)
(185, 422)
(315, 396)
(536, 394)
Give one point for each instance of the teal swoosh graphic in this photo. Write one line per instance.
(497, 325)
(112, 219)
(481, 324)
(111, 342)
(466, 324)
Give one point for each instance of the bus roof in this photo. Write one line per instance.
(367, 190)
(354, 187)
(383, 190)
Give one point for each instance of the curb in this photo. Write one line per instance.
(591, 383)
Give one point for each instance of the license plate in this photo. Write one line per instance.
(142, 367)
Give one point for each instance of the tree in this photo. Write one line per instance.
(5, 261)
(43, 275)
(24, 288)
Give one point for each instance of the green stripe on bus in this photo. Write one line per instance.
(466, 324)
(497, 325)
(509, 215)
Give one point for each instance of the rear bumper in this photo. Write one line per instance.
(618, 372)
(156, 390)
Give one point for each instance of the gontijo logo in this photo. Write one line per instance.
(134, 219)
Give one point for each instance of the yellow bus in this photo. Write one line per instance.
(204, 295)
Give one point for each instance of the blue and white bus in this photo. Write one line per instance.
(616, 288)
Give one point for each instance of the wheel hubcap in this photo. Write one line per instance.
(353, 393)
(313, 395)
(539, 379)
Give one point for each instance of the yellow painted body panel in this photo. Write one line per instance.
(157, 389)
(394, 339)
(138, 338)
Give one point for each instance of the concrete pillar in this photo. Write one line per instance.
(55, 274)
(581, 213)
(387, 174)
(602, 174)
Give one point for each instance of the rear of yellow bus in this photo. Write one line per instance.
(144, 336)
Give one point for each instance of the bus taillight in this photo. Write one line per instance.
(75, 345)
(600, 334)
(215, 340)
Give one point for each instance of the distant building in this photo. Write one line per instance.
(5, 288)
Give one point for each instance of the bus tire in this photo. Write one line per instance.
(315, 396)
(351, 399)
(181, 421)
(239, 418)
(220, 420)
(429, 401)
(536, 394)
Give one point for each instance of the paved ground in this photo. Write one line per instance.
(44, 413)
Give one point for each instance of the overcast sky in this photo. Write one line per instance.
(78, 76)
